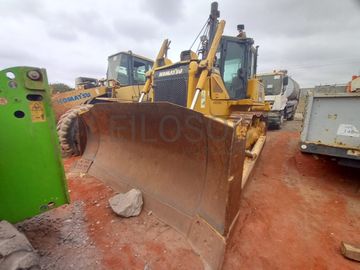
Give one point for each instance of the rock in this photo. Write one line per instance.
(127, 204)
(350, 251)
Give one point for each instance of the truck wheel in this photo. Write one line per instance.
(277, 126)
(290, 114)
(280, 122)
(16, 252)
(70, 131)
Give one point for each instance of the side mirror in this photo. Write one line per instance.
(285, 80)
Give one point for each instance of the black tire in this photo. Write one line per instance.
(68, 131)
(279, 123)
(290, 115)
(16, 252)
(277, 126)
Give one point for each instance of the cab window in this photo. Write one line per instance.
(140, 67)
(118, 69)
(233, 70)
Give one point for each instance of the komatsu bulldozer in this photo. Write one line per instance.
(191, 149)
(124, 81)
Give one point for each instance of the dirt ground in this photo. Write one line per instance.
(294, 213)
(296, 210)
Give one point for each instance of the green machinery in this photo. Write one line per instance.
(32, 178)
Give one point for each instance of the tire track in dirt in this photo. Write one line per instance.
(294, 212)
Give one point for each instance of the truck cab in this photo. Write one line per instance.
(282, 93)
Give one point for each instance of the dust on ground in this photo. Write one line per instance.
(87, 234)
(62, 240)
(295, 211)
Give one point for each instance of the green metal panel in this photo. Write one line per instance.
(32, 178)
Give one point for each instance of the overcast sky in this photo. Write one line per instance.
(318, 41)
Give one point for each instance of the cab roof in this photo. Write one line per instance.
(133, 54)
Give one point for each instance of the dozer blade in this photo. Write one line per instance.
(188, 166)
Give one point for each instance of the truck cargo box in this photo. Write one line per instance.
(332, 126)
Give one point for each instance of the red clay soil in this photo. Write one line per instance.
(130, 243)
(295, 211)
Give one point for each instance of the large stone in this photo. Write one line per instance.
(351, 252)
(127, 204)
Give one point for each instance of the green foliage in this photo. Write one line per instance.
(59, 87)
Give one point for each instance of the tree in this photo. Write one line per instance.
(59, 87)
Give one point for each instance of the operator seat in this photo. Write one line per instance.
(237, 89)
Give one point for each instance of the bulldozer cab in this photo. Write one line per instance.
(236, 59)
(231, 84)
(127, 68)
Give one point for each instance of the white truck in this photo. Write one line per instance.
(282, 92)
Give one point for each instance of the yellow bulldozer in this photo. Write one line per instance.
(124, 81)
(191, 148)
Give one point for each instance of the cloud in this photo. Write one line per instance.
(15, 8)
(69, 26)
(140, 29)
(62, 32)
(16, 53)
(305, 37)
(316, 41)
(169, 12)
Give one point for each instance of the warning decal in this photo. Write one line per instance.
(37, 111)
(348, 130)
(3, 101)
